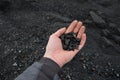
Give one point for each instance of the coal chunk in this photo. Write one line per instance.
(110, 45)
(116, 38)
(105, 32)
(70, 41)
(98, 20)
(106, 42)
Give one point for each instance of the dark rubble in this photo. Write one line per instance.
(70, 41)
(25, 27)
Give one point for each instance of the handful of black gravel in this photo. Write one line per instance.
(70, 41)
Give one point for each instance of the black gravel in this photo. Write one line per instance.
(25, 27)
(70, 41)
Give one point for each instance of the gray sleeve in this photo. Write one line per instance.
(45, 69)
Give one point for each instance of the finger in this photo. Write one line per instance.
(81, 31)
(72, 26)
(83, 40)
(60, 32)
(77, 27)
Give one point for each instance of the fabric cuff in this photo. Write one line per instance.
(50, 68)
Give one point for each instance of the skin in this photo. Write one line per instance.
(54, 49)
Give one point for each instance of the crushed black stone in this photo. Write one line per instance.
(70, 41)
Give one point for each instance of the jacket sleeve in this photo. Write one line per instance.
(45, 69)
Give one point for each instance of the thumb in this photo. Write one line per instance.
(59, 32)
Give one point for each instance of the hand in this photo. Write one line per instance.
(54, 49)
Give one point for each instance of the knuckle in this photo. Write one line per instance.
(51, 35)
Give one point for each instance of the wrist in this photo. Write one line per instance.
(56, 60)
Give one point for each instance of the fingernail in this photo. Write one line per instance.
(83, 27)
(75, 20)
(80, 22)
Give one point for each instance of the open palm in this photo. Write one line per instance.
(54, 49)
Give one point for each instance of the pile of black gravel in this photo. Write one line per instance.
(24, 33)
(70, 41)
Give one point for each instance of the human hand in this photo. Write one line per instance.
(54, 49)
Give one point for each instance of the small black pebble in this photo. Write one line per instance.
(70, 41)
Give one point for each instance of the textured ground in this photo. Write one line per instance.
(25, 26)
